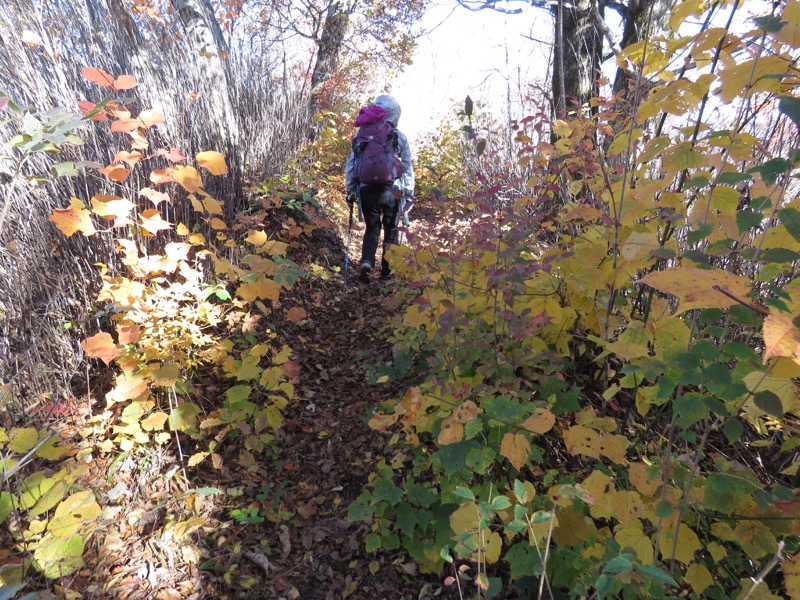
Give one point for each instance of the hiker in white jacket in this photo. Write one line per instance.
(382, 204)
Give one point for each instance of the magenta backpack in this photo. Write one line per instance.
(375, 148)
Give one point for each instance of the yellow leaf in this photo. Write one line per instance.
(699, 288)
(465, 518)
(493, 547)
(155, 421)
(275, 248)
(540, 422)
(582, 440)
(791, 576)
(213, 162)
(683, 10)
(256, 237)
(218, 224)
(72, 219)
(212, 206)
(516, 448)
(781, 336)
(188, 178)
(23, 440)
(614, 448)
(699, 578)
(196, 459)
(73, 513)
(639, 476)
(266, 289)
(688, 544)
(632, 536)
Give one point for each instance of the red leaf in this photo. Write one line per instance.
(98, 76)
(173, 155)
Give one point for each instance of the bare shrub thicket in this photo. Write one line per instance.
(49, 281)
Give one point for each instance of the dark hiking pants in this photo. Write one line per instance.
(380, 208)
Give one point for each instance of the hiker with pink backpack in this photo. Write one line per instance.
(380, 178)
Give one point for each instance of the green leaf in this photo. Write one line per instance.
(772, 169)
(65, 169)
(480, 459)
(520, 492)
(790, 106)
(769, 402)
(388, 491)
(463, 492)
(732, 178)
(700, 233)
(373, 542)
(790, 217)
(619, 564)
(733, 430)
(7, 592)
(505, 409)
(770, 23)
(184, 417)
(747, 219)
(6, 506)
(23, 440)
(779, 255)
(406, 518)
(207, 491)
(501, 503)
(689, 409)
(523, 561)
(656, 574)
(664, 509)
(603, 585)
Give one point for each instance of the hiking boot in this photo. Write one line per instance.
(363, 275)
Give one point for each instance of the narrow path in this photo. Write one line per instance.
(329, 451)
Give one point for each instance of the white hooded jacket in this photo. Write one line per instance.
(406, 183)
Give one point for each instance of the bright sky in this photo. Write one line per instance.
(481, 54)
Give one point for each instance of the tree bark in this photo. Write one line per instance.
(329, 46)
(210, 57)
(642, 20)
(578, 54)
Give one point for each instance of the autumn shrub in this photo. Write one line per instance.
(606, 394)
(179, 300)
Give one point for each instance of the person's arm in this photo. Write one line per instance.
(348, 172)
(407, 182)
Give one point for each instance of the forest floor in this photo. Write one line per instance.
(327, 449)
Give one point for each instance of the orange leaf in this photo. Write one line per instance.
(541, 421)
(296, 313)
(113, 207)
(128, 333)
(72, 219)
(115, 172)
(125, 125)
(138, 141)
(125, 82)
(582, 440)
(154, 195)
(465, 413)
(218, 224)
(152, 221)
(86, 107)
(188, 178)
(173, 155)
(781, 336)
(159, 176)
(150, 118)
(31, 38)
(516, 448)
(452, 431)
(101, 346)
(118, 111)
(411, 403)
(131, 158)
(213, 162)
(291, 369)
(97, 76)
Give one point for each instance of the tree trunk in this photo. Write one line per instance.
(578, 54)
(329, 46)
(210, 57)
(643, 20)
